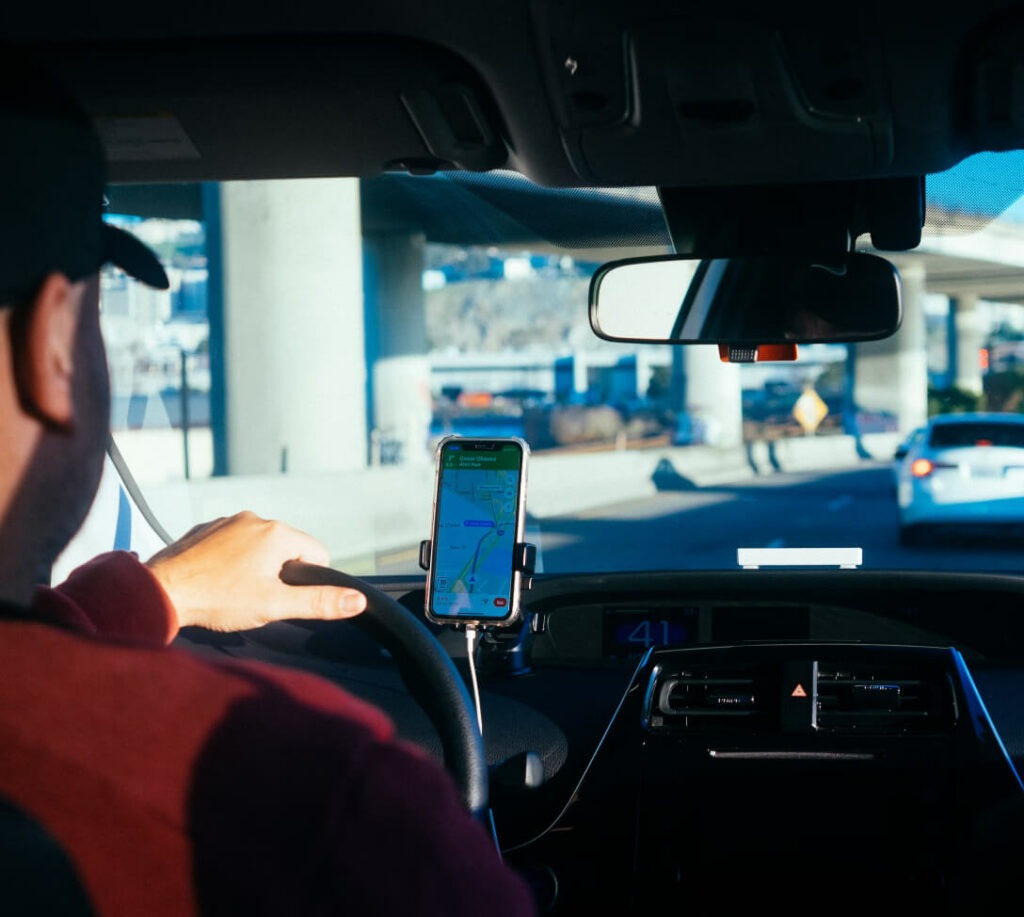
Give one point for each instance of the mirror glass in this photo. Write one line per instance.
(762, 300)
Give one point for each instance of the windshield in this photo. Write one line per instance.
(322, 335)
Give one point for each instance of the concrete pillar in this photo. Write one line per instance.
(580, 373)
(952, 357)
(648, 361)
(293, 326)
(625, 379)
(969, 336)
(677, 385)
(399, 397)
(714, 393)
(571, 374)
(892, 374)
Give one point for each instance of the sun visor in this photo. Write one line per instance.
(257, 108)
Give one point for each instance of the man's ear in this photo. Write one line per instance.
(44, 352)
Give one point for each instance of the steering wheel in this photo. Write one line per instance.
(428, 673)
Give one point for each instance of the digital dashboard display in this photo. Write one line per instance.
(632, 631)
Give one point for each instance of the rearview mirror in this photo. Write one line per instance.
(759, 300)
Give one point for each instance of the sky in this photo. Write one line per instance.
(986, 183)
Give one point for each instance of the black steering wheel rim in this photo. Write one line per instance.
(428, 672)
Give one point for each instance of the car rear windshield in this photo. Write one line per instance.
(978, 434)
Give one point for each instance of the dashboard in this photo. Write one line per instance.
(594, 619)
(788, 730)
(715, 739)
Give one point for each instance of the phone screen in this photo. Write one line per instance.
(478, 519)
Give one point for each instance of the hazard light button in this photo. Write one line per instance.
(799, 695)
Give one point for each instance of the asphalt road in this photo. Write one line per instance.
(702, 528)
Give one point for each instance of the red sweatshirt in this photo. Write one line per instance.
(185, 786)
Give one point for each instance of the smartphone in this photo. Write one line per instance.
(479, 518)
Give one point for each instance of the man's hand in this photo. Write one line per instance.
(226, 575)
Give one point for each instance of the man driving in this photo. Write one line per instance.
(177, 785)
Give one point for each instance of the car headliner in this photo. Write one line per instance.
(575, 92)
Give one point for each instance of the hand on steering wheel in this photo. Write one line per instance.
(428, 672)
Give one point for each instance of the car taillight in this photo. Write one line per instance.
(921, 468)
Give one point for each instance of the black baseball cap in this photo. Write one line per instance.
(52, 187)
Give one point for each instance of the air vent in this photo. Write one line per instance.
(884, 699)
(709, 699)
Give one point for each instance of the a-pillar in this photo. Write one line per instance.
(967, 338)
(292, 289)
(892, 374)
(396, 334)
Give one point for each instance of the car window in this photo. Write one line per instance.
(977, 434)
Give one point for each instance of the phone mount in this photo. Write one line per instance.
(524, 556)
(503, 649)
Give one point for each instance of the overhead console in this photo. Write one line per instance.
(703, 97)
(677, 95)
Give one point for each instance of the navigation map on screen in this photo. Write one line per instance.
(476, 531)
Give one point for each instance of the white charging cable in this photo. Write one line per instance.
(471, 642)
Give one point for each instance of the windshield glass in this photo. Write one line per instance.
(320, 337)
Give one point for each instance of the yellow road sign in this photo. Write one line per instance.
(810, 410)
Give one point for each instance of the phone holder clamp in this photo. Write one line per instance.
(524, 556)
(503, 650)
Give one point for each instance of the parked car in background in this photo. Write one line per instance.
(963, 473)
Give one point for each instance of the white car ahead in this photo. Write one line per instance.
(964, 474)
